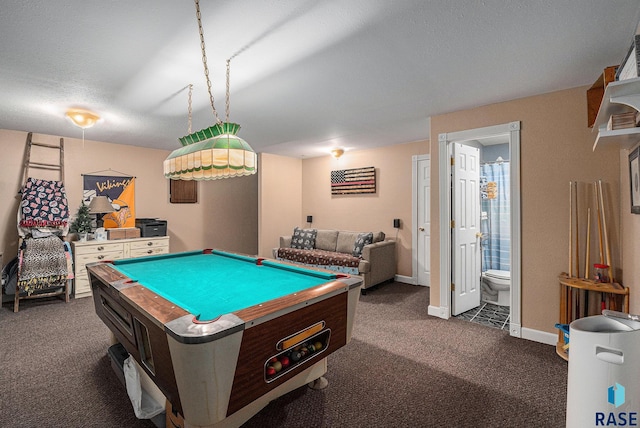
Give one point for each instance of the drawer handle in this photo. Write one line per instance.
(149, 251)
(100, 257)
(100, 248)
(149, 243)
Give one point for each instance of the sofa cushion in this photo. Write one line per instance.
(378, 237)
(326, 240)
(346, 241)
(303, 239)
(362, 240)
(318, 257)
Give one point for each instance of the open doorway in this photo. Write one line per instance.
(465, 226)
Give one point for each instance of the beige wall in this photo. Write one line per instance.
(280, 199)
(555, 149)
(229, 212)
(225, 216)
(365, 212)
(630, 224)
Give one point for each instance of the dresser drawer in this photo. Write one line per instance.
(98, 248)
(147, 244)
(150, 251)
(82, 286)
(83, 259)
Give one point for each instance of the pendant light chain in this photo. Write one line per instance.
(204, 60)
(190, 110)
(210, 160)
(228, 91)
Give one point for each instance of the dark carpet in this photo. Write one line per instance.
(401, 369)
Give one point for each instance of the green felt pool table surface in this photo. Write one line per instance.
(212, 283)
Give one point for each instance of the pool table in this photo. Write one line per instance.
(222, 334)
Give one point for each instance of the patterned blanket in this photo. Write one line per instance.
(331, 260)
(43, 264)
(44, 204)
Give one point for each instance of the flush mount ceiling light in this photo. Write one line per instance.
(337, 152)
(214, 152)
(82, 118)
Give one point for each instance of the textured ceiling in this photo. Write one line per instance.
(305, 76)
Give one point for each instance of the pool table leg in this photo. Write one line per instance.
(318, 384)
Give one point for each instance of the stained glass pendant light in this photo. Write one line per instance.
(214, 152)
(211, 153)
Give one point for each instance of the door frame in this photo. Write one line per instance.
(511, 129)
(414, 216)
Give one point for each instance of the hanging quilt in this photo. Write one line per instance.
(44, 204)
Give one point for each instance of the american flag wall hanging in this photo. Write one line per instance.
(353, 181)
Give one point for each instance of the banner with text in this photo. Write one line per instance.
(121, 194)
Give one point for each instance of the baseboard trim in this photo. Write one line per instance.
(406, 279)
(515, 330)
(438, 311)
(518, 331)
(539, 336)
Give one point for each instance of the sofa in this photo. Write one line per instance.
(367, 254)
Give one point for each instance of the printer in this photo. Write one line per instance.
(151, 227)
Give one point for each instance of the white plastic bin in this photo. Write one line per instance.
(603, 387)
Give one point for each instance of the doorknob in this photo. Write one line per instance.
(421, 229)
(479, 235)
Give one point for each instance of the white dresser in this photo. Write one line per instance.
(95, 251)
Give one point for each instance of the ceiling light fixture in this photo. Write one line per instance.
(214, 152)
(82, 118)
(337, 152)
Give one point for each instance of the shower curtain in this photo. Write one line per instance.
(496, 246)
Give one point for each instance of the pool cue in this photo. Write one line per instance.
(571, 229)
(595, 194)
(588, 244)
(579, 294)
(575, 188)
(607, 247)
(592, 305)
(603, 299)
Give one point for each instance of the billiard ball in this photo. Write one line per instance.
(318, 346)
(270, 371)
(277, 366)
(295, 356)
(311, 348)
(273, 360)
(284, 360)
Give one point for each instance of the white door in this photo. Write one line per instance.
(466, 228)
(424, 220)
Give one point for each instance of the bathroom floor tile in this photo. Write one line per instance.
(488, 314)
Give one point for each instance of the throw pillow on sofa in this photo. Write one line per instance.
(304, 239)
(362, 240)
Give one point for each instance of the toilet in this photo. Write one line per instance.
(496, 287)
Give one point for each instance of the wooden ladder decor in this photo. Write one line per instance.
(28, 164)
(39, 165)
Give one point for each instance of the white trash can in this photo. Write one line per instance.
(603, 387)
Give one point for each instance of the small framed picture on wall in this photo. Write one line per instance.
(634, 177)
